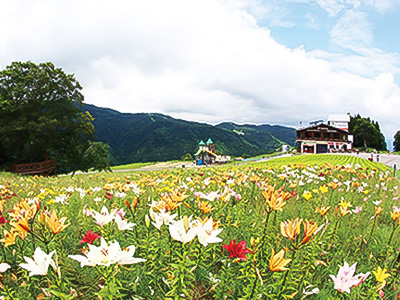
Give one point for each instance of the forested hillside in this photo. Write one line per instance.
(155, 137)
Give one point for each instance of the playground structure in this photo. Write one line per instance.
(206, 154)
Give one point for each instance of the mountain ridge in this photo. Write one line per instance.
(143, 137)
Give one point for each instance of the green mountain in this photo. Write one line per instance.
(146, 137)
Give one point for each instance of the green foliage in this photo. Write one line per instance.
(155, 137)
(396, 141)
(40, 116)
(366, 133)
(187, 157)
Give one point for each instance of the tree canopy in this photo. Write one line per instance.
(40, 116)
(366, 133)
(396, 141)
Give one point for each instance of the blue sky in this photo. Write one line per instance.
(246, 61)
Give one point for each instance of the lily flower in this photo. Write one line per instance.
(90, 237)
(205, 207)
(39, 264)
(378, 210)
(307, 195)
(56, 225)
(161, 218)
(9, 238)
(183, 230)
(278, 262)
(310, 228)
(4, 267)
(107, 254)
(237, 250)
(274, 199)
(380, 274)
(291, 228)
(323, 210)
(123, 224)
(206, 232)
(104, 217)
(345, 278)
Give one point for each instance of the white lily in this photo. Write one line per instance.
(183, 230)
(106, 255)
(161, 218)
(123, 224)
(104, 217)
(40, 263)
(4, 267)
(206, 234)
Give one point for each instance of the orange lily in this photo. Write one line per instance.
(205, 207)
(310, 228)
(323, 210)
(378, 210)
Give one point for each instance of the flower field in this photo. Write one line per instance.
(277, 230)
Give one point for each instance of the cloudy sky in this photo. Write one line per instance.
(247, 61)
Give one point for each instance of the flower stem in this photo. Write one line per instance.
(391, 235)
(372, 230)
(287, 273)
(265, 230)
(255, 279)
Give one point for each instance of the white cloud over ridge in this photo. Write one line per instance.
(203, 60)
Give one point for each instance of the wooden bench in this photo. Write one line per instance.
(45, 167)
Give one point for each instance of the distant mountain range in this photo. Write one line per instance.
(145, 137)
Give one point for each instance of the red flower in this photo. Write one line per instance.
(237, 250)
(3, 220)
(90, 237)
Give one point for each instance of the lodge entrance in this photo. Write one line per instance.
(322, 148)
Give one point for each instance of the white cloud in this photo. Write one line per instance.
(352, 31)
(382, 6)
(199, 60)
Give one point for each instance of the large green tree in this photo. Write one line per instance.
(396, 141)
(366, 133)
(40, 116)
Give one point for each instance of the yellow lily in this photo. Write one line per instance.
(278, 262)
(307, 195)
(324, 189)
(9, 238)
(291, 228)
(56, 225)
(380, 274)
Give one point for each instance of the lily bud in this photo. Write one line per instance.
(186, 223)
(42, 217)
(147, 220)
(128, 204)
